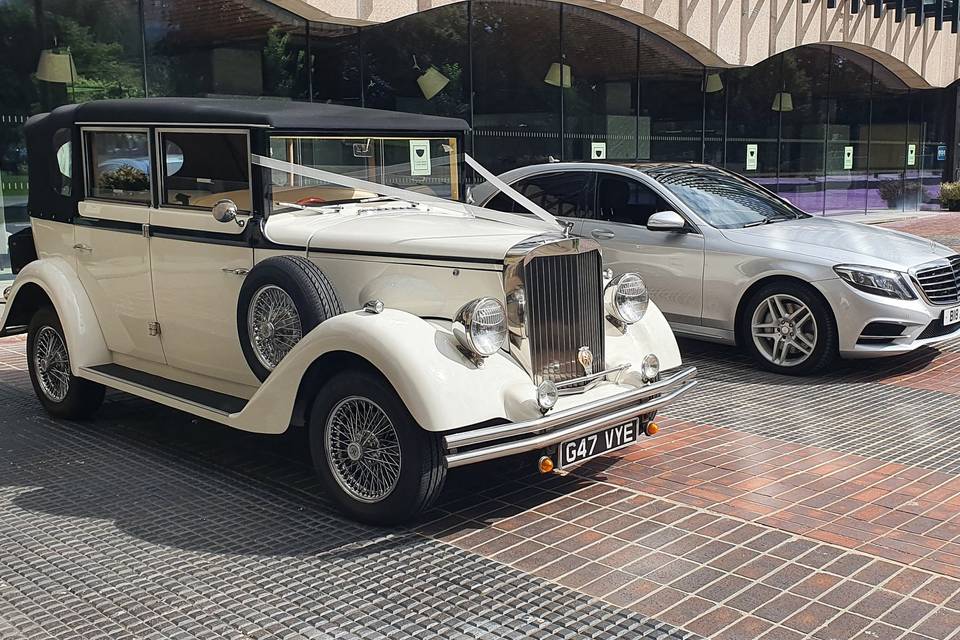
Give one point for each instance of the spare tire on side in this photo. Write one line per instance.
(282, 299)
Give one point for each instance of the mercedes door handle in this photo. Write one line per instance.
(82, 247)
(236, 272)
(603, 234)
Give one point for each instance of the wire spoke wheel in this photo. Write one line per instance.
(52, 364)
(273, 325)
(784, 330)
(363, 449)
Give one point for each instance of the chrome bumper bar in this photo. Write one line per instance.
(567, 424)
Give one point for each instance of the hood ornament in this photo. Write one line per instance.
(585, 358)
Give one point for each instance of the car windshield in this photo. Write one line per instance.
(724, 200)
(320, 191)
(421, 165)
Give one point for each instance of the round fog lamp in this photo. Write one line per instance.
(547, 395)
(650, 368)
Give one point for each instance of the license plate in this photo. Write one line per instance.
(951, 316)
(595, 444)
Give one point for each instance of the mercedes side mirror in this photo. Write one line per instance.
(226, 211)
(666, 221)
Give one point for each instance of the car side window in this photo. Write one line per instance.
(502, 202)
(564, 194)
(201, 168)
(118, 165)
(623, 199)
(62, 162)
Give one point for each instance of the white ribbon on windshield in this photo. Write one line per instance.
(411, 196)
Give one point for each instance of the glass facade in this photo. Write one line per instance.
(827, 128)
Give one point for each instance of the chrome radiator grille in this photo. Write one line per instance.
(941, 282)
(564, 298)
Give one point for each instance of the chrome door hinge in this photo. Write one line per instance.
(145, 229)
(153, 328)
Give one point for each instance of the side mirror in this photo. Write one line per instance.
(225, 211)
(666, 221)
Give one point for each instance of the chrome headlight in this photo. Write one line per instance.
(481, 326)
(881, 282)
(626, 298)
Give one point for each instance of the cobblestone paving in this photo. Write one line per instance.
(147, 524)
(767, 526)
(768, 507)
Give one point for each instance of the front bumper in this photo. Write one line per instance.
(855, 311)
(489, 443)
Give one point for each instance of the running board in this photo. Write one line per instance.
(176, 393)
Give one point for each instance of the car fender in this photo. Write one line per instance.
(736, 274)
(60, 283)
(441, 388)
(651, 335)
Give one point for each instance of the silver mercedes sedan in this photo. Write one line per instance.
(728, 261)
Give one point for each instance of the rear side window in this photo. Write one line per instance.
(61, 165)
(118, 165)
(202, 168)
(567, 194)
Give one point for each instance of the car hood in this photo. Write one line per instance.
(839, 241)
(398, 230)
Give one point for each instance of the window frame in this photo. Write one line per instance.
(88, 193)
(160, 161)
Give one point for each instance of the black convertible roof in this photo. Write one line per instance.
(278, 114)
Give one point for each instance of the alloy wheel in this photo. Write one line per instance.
(784, 330)
(363, 449)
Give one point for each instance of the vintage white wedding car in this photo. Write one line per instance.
(266, 265)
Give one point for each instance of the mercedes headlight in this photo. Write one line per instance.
(481, 326)
(626, 298)
(881, 282)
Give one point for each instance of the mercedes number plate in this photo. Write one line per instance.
(595, 444)
(951, 316)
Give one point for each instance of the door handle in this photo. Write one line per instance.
(236, 272)
(603, 234)
(83, 247)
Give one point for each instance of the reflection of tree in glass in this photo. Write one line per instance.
(107, 67)
(283, 67)
(125, 178)
(397, 54)
(898, 192)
